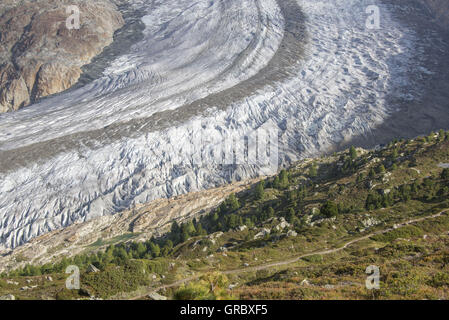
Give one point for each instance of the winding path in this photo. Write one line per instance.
(296, 259)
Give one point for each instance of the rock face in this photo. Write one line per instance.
(39, 55)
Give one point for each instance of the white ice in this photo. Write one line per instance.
(338, 90)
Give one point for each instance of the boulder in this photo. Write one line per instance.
(92, 269)
(292, 233)
(264, 232)
(156, 296)
(232, 286)
(242, 228)
(281, 226)
(305, 282)
(7, 297)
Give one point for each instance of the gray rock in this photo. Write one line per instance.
(156, 296)
(264, 232)
(92, 269)
(284, 224)
(242, 228)
(370, 222)
(292, 233)
(232, 286)
(305, 282)
(8, 297)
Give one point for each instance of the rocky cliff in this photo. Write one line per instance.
(39, 55)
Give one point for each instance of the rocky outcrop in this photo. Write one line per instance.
(39, 55)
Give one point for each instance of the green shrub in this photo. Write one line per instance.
(316, 258)
(440, 279)
(404, 233)
(329, 209)
(116, 279)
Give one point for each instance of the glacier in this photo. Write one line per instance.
(204, 73)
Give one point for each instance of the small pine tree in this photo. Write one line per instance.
(360, 178)
(175, 227)
(329, 209)
(353, 153)
(260, 191)
(200, 230)
(276, 183)
(155, 250)
(233, 202)
(291, 215)
(141, 250)
(394, 155)
(445, 174)
(313, 172)
(441, 135)
(283, 179)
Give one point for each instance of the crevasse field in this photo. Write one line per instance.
(206, 70)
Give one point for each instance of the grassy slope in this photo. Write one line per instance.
(413, 260)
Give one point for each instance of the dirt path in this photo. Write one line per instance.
(296, 259)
